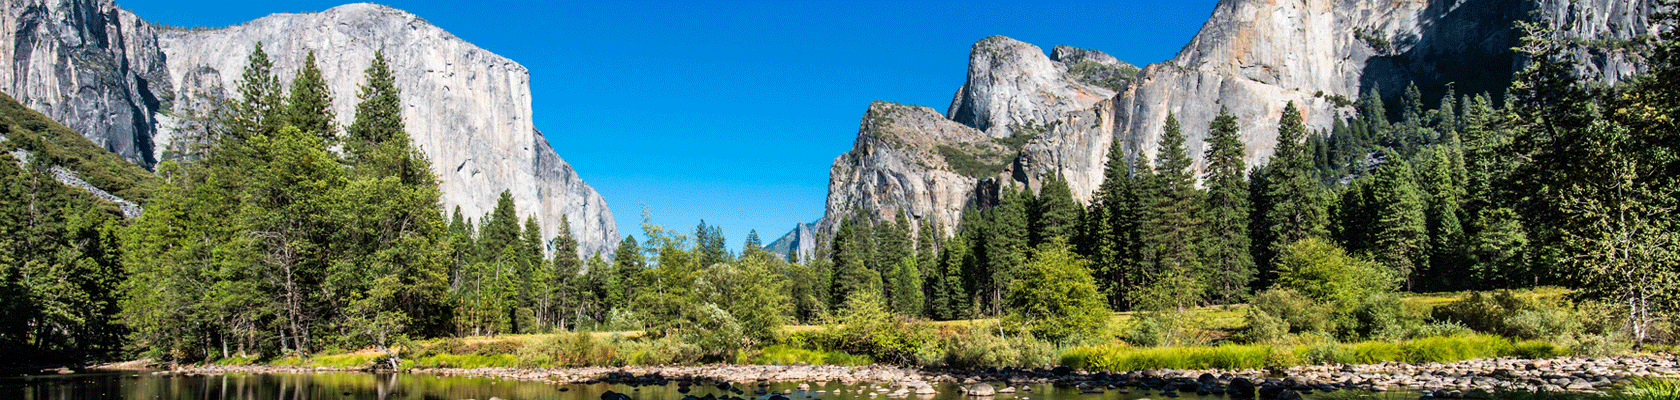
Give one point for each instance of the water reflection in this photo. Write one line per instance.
(333, 386)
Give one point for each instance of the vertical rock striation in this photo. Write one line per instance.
(116, 79)
(90, 66)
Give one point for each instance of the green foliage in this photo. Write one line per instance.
(1103, 75)
(1647, 389)
(1296, 209)
(1055, 298)
(1399, 237)
(28, 130)
(310, 106)
(1537, 349)
(1226, 248)
(1324, 272)
(1054, 214)
(1123, 358)
(977, 347)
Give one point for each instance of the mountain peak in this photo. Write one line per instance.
(1012, 84)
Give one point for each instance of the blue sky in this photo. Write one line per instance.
(732, 112)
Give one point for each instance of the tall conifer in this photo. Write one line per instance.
(1226, 250)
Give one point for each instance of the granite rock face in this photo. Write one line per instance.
(1251, 57)
(104, 72)
(1012, 84)
(897, 164)
(90, 66)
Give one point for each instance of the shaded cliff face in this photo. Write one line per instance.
(90, 66)
(114, 78)
(1251, 57)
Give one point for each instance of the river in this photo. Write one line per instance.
(131, 385)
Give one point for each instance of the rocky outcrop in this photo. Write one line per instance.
(116, 79)
(1012, 85)
(803, 239)
(90, 66)
(904, 160)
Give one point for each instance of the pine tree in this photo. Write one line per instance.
(906, 286)
(561, 299)
(501, 229)
(310, 107)
(1005, 243)
(379, 114)
(1400, 236)
(710, 245)
(627, 262)
(1297, 206)
(261, 107)
(1109, 230)
(1226, 249)
(949, 297)
(892, 245)
(1055, 214)
(1174, 224)
(853, 253)
(927, 246)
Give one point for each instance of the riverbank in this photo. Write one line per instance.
(1467, 378)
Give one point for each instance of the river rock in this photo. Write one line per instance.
(981, 389)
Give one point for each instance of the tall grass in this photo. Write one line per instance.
(788, 355)
(1647, 389)
(1126, 358)
(1433, 349)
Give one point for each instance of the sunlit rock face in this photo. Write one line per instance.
(117, 79)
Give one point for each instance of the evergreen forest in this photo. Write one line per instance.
(275, 233)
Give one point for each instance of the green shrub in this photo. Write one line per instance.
(1279, 358)
(1301, 314)
(1386, 316)
(654, 351)
(1146, 331)
(1125, 358)
(1545, 323)
(1263, 327)
(1537, 349)
(977, 348)
(578, 349)
(1480, 311)
(1329, 353)
(1031, 352)
(1594, 345)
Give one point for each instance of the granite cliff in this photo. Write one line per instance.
(118, 79)
(1251, 56)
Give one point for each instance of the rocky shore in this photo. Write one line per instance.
(1465, 379)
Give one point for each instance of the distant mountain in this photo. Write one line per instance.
(802, 237)
(1021, 115)
(120, 81)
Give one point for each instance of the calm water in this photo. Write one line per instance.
(326, 386)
